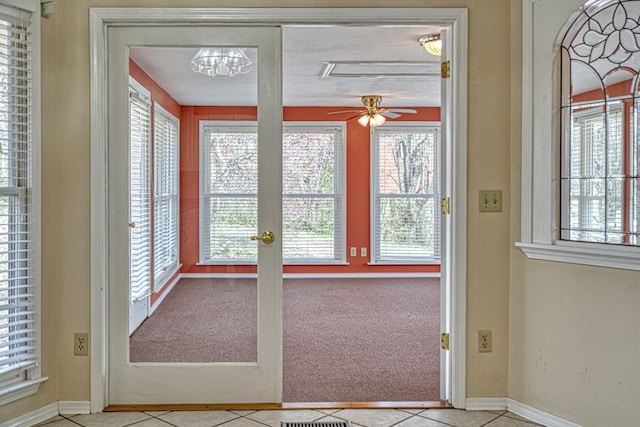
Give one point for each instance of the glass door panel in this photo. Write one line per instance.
(211, 339)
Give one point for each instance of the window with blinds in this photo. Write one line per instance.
(405, 194)
(599, 98)
(165, 200)
(313, 187)
(19, 327)
(593, 177)
(139, 192)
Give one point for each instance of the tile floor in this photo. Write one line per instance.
(357, 417)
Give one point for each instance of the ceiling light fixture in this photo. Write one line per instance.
(372, 116)
(432, 43)
(221, 61)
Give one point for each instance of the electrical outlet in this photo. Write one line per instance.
(81, 344)
(363, 252)
(352, 251)
(484, 341)
(490, 200)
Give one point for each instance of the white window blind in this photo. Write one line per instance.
(229, 201)
(406, 194)
(166, 179)
(592, 183)
(19, 351)
(313, 187)
(139, 192)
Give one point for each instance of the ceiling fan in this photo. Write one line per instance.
(374, 115)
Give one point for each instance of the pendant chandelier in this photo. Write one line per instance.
(221, 61)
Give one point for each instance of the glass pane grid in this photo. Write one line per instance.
(406, 222)
(312, 193)
(17, 286)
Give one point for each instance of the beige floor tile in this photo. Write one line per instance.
(274, 418)
(458, 417)
(243, 413)
(412, 411)
(505, 421)
(332, 419)
(417, 421)
(109, 419)
(153, 422)
(198, 418)
(156, 413)
(50, 420)
(57, 422)
(518, 417)
(373, 417)
(242, 422)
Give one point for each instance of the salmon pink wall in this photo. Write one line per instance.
(358, 177)
(161, 97)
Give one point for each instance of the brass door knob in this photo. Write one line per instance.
(132, 225)
(267, 237)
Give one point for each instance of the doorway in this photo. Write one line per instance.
(457, 20)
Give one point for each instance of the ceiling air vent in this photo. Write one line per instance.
(380, 68)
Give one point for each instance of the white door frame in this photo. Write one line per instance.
(103, 18)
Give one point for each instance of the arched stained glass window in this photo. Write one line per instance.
(600, 184)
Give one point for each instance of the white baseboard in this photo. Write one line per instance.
(51, 410)
(164, 294)
(538, 416)
(33, 417)
(359, 275)
(77, 407)
(486, 404)
(312, 275)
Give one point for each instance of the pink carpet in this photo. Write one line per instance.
(345, 340)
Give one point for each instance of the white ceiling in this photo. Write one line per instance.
(386, 61)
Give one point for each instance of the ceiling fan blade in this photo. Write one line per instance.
(403, 110)
(390, 114)
(353, 117)
(346, 111)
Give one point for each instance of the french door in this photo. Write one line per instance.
(253, 379)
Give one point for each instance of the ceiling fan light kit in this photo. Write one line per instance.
(374, 115)
(432, 43)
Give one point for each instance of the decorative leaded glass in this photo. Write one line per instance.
(600, 64)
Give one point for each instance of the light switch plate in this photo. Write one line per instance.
(490, 200)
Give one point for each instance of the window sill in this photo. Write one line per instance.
(627, 258)
(20, 390)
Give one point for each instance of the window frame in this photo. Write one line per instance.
(340, 241)
(141, 289)
(159, 280)
(27, 382)
(374, 189)
(541, 127)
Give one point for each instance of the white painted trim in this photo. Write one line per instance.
(537, 415)
(102, 18)
(20, 390)
(218, 276)
(486, 404)
(538, 238)
(74, 407)
(527, 125)
(33, 417)
(310, 275)
(613, 256)
(99, 241)
(359, 275)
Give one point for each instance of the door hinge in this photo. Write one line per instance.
(444, 340)
(445, 69)
(445, 205)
